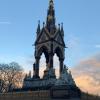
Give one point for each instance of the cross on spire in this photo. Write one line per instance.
(51, 3)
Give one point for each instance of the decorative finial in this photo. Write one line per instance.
(70, 72)
(51, 0)
(62, 27)
(43, 24)
(51, 3)
(65, 67)
(38, 22)
(25, 76)
(29, 75)
(38, 28)
(59, 26)
(62, 30)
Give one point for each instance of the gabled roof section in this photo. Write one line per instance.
(59, 38)
(43, 36)
(50, 31)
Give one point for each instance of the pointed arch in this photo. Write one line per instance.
(44, 50)
(59, 52)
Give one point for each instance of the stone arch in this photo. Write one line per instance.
(44, 50)
(59, 52)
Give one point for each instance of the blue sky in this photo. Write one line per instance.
(18, 23)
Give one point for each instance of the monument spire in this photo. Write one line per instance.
(50, 16)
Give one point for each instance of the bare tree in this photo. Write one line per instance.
(11, 75)
(1, 85)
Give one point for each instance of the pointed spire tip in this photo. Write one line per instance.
(43, 24)
(38, 21)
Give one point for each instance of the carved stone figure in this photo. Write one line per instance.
(65, 77)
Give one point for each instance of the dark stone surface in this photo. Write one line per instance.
(65, 92)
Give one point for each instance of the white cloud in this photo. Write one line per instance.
(5, 23)
(97, 46)
(73, 42)
(87, 74)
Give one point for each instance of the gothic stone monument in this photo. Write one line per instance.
(50, 41)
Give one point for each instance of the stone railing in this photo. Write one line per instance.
(36, 95)
(30, 95)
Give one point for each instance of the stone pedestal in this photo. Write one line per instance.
(65, 92)
(62, 88)
(49, 73)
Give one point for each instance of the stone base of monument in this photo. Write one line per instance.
(62, 88)
(38, 84)
(65, 92)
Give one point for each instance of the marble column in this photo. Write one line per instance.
(50, 60)
(47, 62)
(36, 67)
(61, 60)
